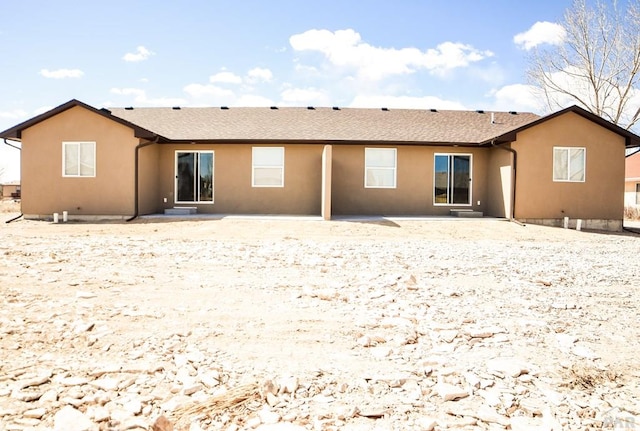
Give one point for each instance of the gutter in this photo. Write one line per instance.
(19, 149)
(513, 185)
(136, 176)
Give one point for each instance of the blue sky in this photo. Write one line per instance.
(459, 54)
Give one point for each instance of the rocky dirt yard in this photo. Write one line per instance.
(282, 324)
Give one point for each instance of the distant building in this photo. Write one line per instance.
(632, 180)
(11, 190)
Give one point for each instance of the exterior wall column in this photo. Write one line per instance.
(327, 160)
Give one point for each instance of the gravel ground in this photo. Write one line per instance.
(297, 324)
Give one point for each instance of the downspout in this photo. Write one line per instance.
(515, 171)
(19, 149)
(136, 175)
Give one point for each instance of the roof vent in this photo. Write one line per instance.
(311, 108)
(224, 107)
(129, 108)
(385, 109)
(513, 113)
(336, 108)
(433, 110)
(273, 107)
(480, 111)
(105, 110)
(176, 108)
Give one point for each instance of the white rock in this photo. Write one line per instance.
(268, 417)
(106, 384)
(450, 392)
(192, 389)
(133, 406)
(506, 366)
(448, 335)
(72, 381)
(35, 413)
(526, 423)
(85, 295)
(426, 423)
(283, 426)
(489, 415)
(288, 385)
(70, 419)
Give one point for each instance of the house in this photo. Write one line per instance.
(10, 190)
(130, 161)
(632, 180)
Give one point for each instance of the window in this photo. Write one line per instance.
(78, 159)
(267, 167)
(568, 164)
(194, 176)
(452, 179)
(637, 193)
(380, 168)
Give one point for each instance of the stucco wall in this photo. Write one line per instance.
(599, 197)
(233, 193)
(413, 194)
(148, 180)
(499, 179)
(45, 190)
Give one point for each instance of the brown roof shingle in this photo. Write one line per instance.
(324, 124)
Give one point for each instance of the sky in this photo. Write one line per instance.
(462, 54)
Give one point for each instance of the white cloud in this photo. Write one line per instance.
(253, 100)
(518, 97)
(141, 54)
(304, 96)
(225, 78)
(259, 74)
(14, 114)
(140, 97)
(199, 91)
(403, 102)
(539, 33)
(345, 48)
(61, 73)
(42, 110)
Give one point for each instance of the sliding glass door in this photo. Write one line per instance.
(194, 177)
(452, 179)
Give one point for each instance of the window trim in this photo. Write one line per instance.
(447, 204)
(65, 144)
(254, 167)
(637, 193)
(394, 168)
(569, 180)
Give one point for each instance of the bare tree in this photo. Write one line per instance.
(598, 65)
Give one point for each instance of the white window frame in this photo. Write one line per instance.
(255, 166)
(394, 169)
(568, 178)
(79, 145)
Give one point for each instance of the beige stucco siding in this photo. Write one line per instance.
(499, 182)
(599, 197)
(148, 180)
(413, 194)
(233, 191)
(45, 190)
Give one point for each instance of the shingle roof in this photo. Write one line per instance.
(324, 124)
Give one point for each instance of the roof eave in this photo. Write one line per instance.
(318, 141)
(15, 132)
(631, 139)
